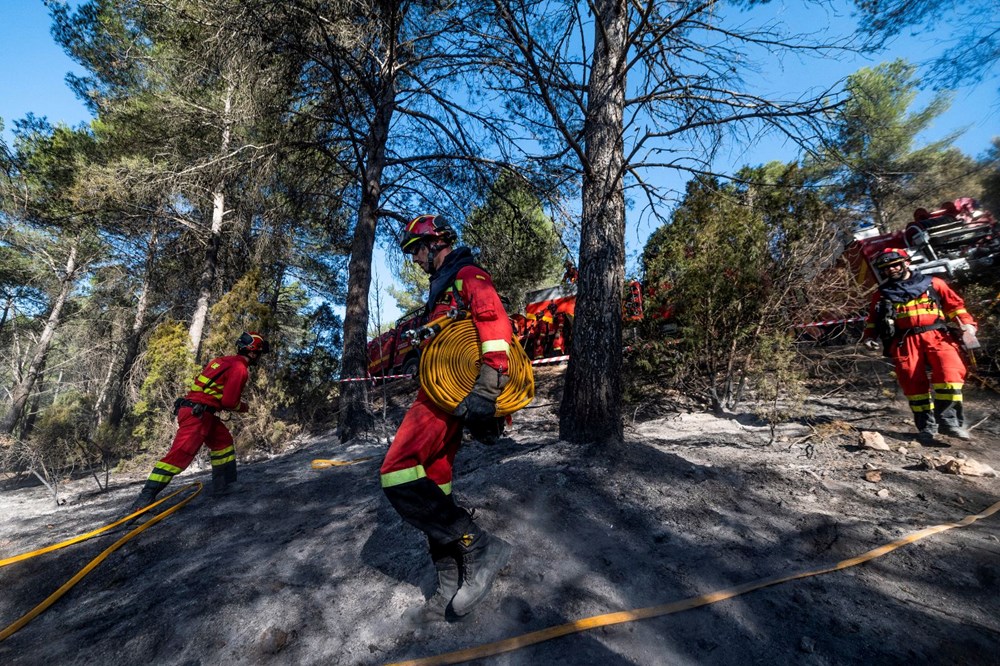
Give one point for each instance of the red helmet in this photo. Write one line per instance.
(426, 228)
(890, 256)
(252, 341)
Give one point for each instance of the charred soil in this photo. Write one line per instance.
(312, 566)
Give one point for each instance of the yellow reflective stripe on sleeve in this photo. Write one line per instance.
(402, 476)
(445, 488)
(495, 346)
(954, 313)
(458, 285)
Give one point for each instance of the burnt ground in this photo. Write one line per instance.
(305, 566)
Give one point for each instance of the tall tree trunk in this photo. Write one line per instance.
(138, 325)
(355, 410)
(6, 310)
(23, 389)
(207, 279)
(591, 406)
(30, 414)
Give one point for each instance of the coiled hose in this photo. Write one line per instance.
(449, 366)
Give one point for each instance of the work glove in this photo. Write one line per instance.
(487, 431)
(970, 328)
(872, 344)
(481, 403)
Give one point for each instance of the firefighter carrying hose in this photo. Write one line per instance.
(218, 387)
(416, 474)
(909, 313)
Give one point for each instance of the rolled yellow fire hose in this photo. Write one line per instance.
(52, 598)
(449, 366)
(524, 640)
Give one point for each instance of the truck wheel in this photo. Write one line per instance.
(411, 367)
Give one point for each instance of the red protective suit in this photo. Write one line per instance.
(923, 342)
(219, 386)
(416, 474)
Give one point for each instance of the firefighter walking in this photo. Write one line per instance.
(416, 474)
(219, 386)
(909, 312)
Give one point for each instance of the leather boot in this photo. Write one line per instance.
(219, 481)
(146, 497)
(483, 556)
(445, 558)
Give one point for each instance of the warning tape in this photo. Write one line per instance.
(554, 359)
(830, 322)
(371, 378)
(532, 638)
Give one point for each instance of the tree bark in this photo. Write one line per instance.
(355, 409)
(207, 279)
(23, 389)
(591, 407)
(132, 346)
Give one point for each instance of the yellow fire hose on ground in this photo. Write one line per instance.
(532, 638)
(449, 365)
(322, 463)
(52, 598)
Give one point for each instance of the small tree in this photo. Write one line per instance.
(736, 258)
(517, 242)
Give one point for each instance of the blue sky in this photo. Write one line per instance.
(32, 79)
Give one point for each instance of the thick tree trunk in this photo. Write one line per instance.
(355, 410)
(23, 389)
(591, 407)
(207, 278)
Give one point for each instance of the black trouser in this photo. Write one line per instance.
(424, 505)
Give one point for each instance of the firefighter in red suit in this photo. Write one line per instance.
(219, 386)
(909, 312)
(416, 474)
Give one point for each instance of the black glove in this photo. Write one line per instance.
(481, 403)
(487, 431)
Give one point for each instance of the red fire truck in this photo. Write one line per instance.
(393, 352)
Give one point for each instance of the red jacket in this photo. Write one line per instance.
(923, 311)
(220, 383)
(477, 293)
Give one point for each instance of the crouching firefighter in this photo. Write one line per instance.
(909, 312)
(218, 387)
(416, 474)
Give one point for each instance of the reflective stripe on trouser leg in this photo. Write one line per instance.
(424, 505)
(416, 474)
(923, 410)
(162, 474)
(224, 463)
(948, 404)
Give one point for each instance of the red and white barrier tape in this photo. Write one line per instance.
(371, 378)
(830, 322)
(554, 359)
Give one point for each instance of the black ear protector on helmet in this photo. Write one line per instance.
(252, 342)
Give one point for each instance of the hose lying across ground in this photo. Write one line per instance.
(52, 598)
(517, 642)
